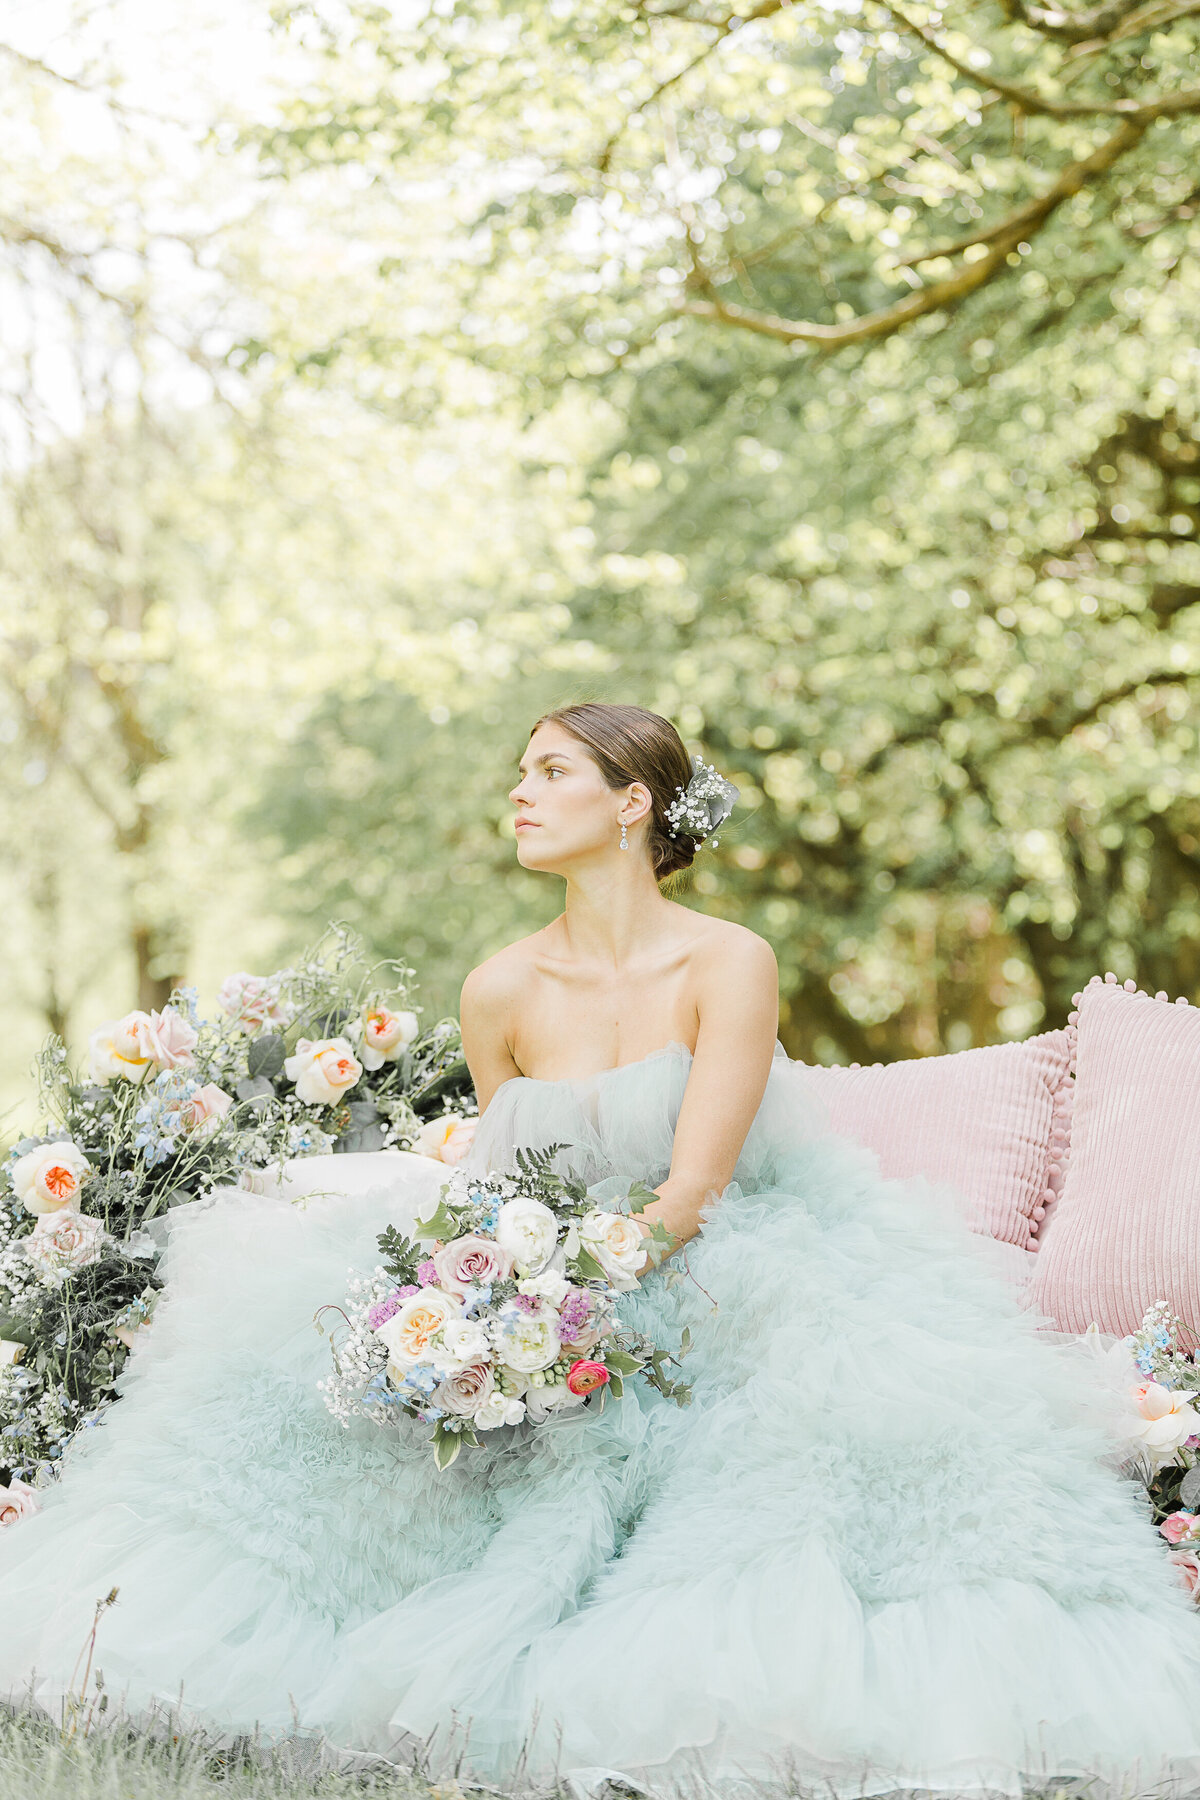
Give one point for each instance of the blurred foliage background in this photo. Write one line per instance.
(824, 376)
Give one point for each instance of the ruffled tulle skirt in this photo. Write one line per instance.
(881, 1548)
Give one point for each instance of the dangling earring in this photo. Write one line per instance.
(624, 837)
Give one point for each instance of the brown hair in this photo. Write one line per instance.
(629, 743)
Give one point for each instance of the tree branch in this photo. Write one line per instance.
(1014, 229)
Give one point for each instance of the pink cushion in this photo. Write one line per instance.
(993, 1123)
(1126, 1229)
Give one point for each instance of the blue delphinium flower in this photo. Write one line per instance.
(163, 1116)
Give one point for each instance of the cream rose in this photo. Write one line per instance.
(10, 1351)
(1166, 1421)
(528, 1231)
(386, 1035)
(499, 1409)
(465, 1391)
(17, 1501)
(63, 1241)
(618, 1245)
(408, 1332)
(120, 1048)
(446, 1139)
(49, 1178)
(527, 1340)
(323, 1070)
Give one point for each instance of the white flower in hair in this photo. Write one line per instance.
(703, 805)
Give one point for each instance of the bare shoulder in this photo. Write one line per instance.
(722, 943)
(494, 981)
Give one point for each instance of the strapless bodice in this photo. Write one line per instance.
(620, 1122)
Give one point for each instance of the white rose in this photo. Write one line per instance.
(527, 1340)
(121, 1048)
(63, 1241)
(499, 1409)
(554, 1397)
(408, 1332)
(49, 1178)
(386, 1035)
(464, 1341)
(551, 1285)
(323, 1070)
(528, 1231)
(618, 1245)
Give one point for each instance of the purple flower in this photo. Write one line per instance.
(383, 1310)
(406, 1293)
(427, 1272)
(574, 1315)
(527, 1303)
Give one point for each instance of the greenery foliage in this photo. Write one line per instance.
(823, 378)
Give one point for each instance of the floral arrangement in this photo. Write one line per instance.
(1164, 1435)
(326, 1056)
(500, 1311)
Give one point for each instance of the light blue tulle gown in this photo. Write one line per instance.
(880, 1549)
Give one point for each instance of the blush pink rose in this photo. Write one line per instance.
(167, 1039)
(17, 1501)
(252, 1001)
(207, 1108)
(1187, 1565)
(386, 1035)
(585, 1377)
(471, 1262)
(1179, 1525)
(466, 1390)
(63, 1241)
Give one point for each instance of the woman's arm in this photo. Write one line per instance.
(485, 1016)
(738, 1003)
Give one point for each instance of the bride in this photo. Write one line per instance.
(880, 1549)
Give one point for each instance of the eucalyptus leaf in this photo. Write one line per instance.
(266, 1056)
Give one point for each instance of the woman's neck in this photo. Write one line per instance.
(612, 917)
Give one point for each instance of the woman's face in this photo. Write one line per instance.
(565, 808)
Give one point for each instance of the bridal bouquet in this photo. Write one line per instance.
(501, 1309)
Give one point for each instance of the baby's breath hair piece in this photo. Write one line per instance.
(703, 805)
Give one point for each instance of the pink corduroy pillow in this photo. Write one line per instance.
(993, 1123)
(1126, 1229)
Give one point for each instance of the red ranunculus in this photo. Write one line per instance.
(585, 1377)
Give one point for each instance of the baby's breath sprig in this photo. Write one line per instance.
(703, 805)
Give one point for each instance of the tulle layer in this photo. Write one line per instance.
(882, 1548)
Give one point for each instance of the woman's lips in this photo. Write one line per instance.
(526, 825)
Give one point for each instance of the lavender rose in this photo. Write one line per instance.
(471, 1262)
(466, 1390)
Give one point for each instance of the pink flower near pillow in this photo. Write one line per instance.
(1126, 1230)
(993, 1123)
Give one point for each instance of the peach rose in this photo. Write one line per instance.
(466, 1390)
(408, 1332)
(17, 1501)
(206, 1108)
(49, 1178)
(446, 1139)
(386, 1035)
(471, 1262)
(323, 1070)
